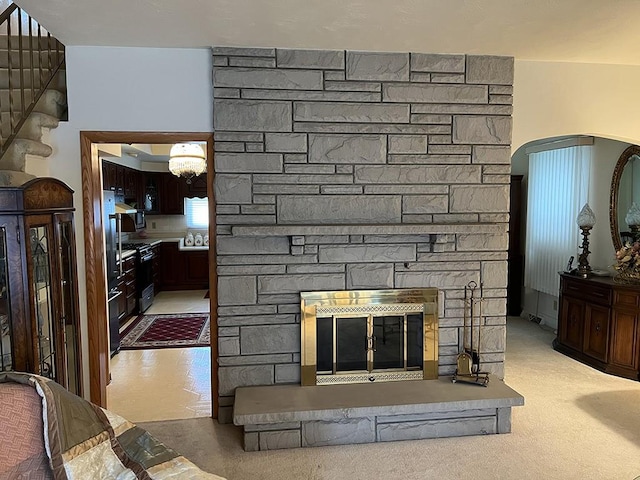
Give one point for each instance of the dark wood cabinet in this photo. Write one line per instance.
(197, 268)
(109, 176)
(183, 270)
(596, 331)
(171, 272)
(123, 181)
(133, 188)
(38, 282)
(197, 188)
(156, 268)
(570, 324)
(120, 170)
(515, 259)
(171, 194)
(164, 191)
(152, 188)
(128, 301)
(598, 324)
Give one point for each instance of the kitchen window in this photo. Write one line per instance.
(197, 212)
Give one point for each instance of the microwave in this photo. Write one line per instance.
(132, 221)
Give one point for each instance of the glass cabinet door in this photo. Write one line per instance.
(45, 341)
(6, 348)
(69, 316)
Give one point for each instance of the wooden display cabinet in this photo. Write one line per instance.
(38, 282)
(598, 324)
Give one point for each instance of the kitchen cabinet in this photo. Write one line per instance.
(121, 301)
(109, 176)
(156, 268)
(167, 192)
(598, 324)
(183, 270)
(133, 191)
(129, 271)
(128, 301)
(152, 187)
(38, 282)
(197, 188)
(171, 194)
(123, 181)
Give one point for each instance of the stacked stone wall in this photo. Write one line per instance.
(355, 170)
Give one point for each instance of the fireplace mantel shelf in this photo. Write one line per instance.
(375, 229)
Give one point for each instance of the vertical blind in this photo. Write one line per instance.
(197, 212)
(558, 187)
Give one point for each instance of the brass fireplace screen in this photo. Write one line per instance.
(360, 336)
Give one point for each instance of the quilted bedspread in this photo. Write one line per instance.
(83, 441)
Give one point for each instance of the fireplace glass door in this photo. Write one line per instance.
(368, 344)
(361, 336)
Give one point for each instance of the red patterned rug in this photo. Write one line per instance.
(167, 331)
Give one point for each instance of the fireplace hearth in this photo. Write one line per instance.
(361, 336)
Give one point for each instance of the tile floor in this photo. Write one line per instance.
(167, 383)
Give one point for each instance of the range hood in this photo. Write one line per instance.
(124, 208)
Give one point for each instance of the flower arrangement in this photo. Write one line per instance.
(628, 260)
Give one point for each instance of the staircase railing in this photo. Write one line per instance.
(32, 57)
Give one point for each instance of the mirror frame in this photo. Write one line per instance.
(615, 185)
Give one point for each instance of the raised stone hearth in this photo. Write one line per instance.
(292, 416)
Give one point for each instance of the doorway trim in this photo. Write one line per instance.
(96, 290)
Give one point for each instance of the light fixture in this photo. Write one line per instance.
(633, 220)
(586, 220)
(187, 160)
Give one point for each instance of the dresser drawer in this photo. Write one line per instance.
(594, 292)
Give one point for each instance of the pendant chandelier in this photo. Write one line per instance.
(187, 160)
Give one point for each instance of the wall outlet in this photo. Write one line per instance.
(153, 225)
(555, 305)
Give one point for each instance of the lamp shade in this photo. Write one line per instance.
(586, 217)
(633, 215)
(187, 160)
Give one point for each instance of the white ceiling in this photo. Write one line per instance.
(594, 31)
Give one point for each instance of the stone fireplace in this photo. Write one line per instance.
(360, 336)
(355, 171)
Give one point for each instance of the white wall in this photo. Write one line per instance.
(126, 89)
(551, 99)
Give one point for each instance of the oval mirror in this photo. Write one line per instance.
(625, 191)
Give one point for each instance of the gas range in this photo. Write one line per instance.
(141, 247)
(144, 272)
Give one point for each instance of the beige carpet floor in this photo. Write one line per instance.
(577, 423)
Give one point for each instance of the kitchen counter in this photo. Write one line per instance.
(125, 254)
(191, 248)
(179, 240)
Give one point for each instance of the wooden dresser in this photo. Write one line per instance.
(598, 324)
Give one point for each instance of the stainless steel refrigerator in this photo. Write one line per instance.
(111, 236)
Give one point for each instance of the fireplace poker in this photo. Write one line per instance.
(468, 360)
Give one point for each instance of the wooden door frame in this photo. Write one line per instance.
(96, 290)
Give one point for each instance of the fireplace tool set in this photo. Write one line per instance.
(468, 362)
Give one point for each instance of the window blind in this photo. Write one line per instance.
(558, 187)
(197, 212)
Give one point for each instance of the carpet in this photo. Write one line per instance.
(167, 331)
(571, 413)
